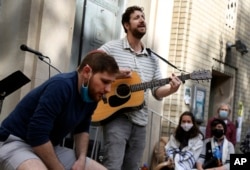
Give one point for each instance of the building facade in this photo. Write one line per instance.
(194, 35)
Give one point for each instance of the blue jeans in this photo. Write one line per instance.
(124, 143)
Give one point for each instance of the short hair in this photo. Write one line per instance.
(225, 104)
(99, 61)
(215, 122)
(128, 12)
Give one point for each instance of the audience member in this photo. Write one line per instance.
(217, 149)
(185, 145)
(223, 113)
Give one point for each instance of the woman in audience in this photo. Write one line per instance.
(185, 145)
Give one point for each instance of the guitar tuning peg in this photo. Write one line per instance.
(182, 78)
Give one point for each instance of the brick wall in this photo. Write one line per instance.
(200, 31)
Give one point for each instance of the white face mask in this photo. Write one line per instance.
(186, 126)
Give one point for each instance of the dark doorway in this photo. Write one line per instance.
(96, 22)
(222, 89)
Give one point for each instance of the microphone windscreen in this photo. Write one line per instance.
(23, 47)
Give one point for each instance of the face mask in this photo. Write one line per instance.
(217, 133)
(186, 126)
(85, 94)
(223, 114)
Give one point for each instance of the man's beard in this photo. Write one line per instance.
(91, 90)
(138, 34)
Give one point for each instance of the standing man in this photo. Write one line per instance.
(31, 134)
(223, 113)
(125, 133)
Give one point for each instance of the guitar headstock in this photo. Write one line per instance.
(201, 75)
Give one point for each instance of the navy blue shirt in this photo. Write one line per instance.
(50, 112)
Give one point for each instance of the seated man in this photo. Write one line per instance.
(31, 134)
(217, 149)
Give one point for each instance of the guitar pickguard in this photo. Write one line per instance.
(115, 101)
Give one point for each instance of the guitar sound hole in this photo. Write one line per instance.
(123, 91)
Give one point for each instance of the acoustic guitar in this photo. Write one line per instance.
(129, 93)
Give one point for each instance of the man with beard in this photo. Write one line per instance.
(125, 131)
(31, 134)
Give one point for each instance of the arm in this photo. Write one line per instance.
(199, 166)
(81, 143)
(197, 148)
(41, 124)
(169, 149)
(172, 148)
(169, 146)
(201, 158)
(226, 165)
(171, 88)
(124, 73)
(48, 156)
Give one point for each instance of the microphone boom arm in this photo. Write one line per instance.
(42, 59)
(23, 47)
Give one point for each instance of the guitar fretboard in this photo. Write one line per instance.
(155, 83)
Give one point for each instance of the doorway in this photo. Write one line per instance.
(96, 22)
(222, 87)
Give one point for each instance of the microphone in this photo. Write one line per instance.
(26, 48)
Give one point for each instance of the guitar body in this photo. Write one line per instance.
(119, 98)
(129, 93)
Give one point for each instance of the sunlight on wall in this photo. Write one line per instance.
(162, 31)
(58, 20)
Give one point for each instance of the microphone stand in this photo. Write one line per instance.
(23, 47)
(41, 57)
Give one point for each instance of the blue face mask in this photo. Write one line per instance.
(85, 94)
(223, 114)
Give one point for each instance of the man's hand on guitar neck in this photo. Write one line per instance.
(174, 83)
(170, 88)
(124, 73)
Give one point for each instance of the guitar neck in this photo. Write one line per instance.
(155, 83)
